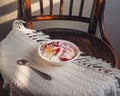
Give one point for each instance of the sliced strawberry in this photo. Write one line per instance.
(57, 50)
(64, 59)
(56, 44)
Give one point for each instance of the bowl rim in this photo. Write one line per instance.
(55, 62)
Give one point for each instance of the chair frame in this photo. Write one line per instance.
(27, 15)
(97, 15)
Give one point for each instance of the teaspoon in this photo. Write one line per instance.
(42, 74)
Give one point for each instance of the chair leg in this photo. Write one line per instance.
(1, 80)
(3, 91)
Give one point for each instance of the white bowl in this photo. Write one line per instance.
(54, 62)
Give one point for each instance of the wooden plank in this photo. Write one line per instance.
(41, 7)
(70, 7)
(61, 7)
(51, 7)
(81, 7)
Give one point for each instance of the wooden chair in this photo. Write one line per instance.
(96, 15)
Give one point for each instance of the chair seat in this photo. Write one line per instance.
(88, 43)
(73, 10)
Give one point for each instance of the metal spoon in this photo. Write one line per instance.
(42, 74)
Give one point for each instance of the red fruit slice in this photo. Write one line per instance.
(64, 59)
(57, 50)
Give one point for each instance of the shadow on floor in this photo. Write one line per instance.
(5, 28)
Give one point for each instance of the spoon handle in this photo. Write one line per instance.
(42, 74)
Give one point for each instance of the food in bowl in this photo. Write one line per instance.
(58, 51)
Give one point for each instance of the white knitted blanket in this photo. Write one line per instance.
(86, 76)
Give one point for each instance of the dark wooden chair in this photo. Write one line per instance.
(96, 17)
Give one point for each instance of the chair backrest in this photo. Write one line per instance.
(25, 12)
